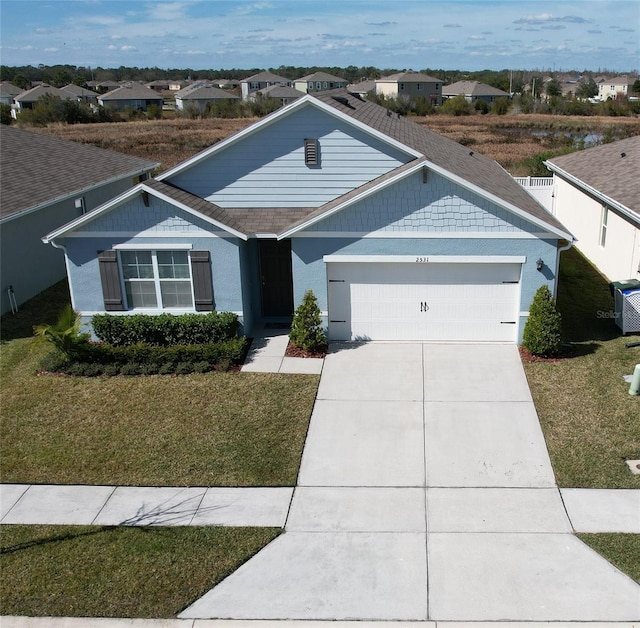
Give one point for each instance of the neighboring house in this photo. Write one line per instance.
(8, 92)
(401, 234)
(176, 86)
(318, 82)
(410, 85)
(597, 196)
(81, 94)
(28, 99)
(102, 87)
(135, 96)
(258, 82)
(283, 93)
(226, 83)
(46, 181)
(200, 95)
(472, 91)
(362, 89)
(620, 86)
(158, 86)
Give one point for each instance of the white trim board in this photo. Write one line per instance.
(425, 259)
(149, 234)
(428, 235)
(150, 246)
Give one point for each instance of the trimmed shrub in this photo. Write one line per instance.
(165, 330)
(306, 327)
(131, 368)
(543, 331)
(111, 369)
(54, 362)
(201, 367)
(184, 368)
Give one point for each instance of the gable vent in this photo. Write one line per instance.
(311, 152)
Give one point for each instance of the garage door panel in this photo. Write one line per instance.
(423, 302)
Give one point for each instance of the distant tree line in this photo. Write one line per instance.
(512, 81)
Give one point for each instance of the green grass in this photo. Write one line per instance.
(214, 429)
(81, 571)
(623, 550)
(590, 422)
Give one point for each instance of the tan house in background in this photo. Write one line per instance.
(472, 91)
(410, 85)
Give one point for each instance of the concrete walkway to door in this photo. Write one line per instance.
(425, 493)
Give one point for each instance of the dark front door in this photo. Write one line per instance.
(275, 277)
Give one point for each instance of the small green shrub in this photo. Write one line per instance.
(543, 331)
(149, 369)
(201, 367)
(167, 369)
(111, 369)
(184, 368)
(131, 368)
(54, 362)
(306, 327)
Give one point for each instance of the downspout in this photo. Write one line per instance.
(66, 265)
(566, 247)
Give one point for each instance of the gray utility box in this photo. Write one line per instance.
(626, 295)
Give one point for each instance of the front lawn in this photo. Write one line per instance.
(214, 429)
(85, 571)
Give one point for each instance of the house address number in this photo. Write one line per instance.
(422, 260)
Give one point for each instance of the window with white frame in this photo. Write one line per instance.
(157, 279)
(603, 225)
(419, 87)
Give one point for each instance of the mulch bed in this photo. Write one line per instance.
(527, 356)
(296, 352)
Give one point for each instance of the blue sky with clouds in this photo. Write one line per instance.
(416, 34)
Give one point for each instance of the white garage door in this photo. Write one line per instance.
(423, 301)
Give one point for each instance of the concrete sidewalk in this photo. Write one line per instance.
(426, 493)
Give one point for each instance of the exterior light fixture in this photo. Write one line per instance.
(539, 264)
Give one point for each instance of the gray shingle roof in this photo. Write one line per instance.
(131, 92)
(410, 77)
(604, 169)
(36, 93)
(266, 77)
(208, 92)
(38, 169)
(282, 91)
(321, 76)
(471, 88)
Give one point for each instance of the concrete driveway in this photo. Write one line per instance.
(425, 493)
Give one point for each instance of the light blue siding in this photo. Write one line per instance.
(134, 217)
(267, 169)
(309, 270)
(439, 205)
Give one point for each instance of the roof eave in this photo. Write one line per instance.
(119, 200)
(623, 209)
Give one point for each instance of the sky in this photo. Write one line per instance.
(404, 34)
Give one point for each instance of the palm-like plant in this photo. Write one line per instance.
(64, 334)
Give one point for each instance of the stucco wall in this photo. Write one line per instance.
(309, 270)
(582, 215)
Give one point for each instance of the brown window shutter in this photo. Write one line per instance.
(110, 277)
(202, 280)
